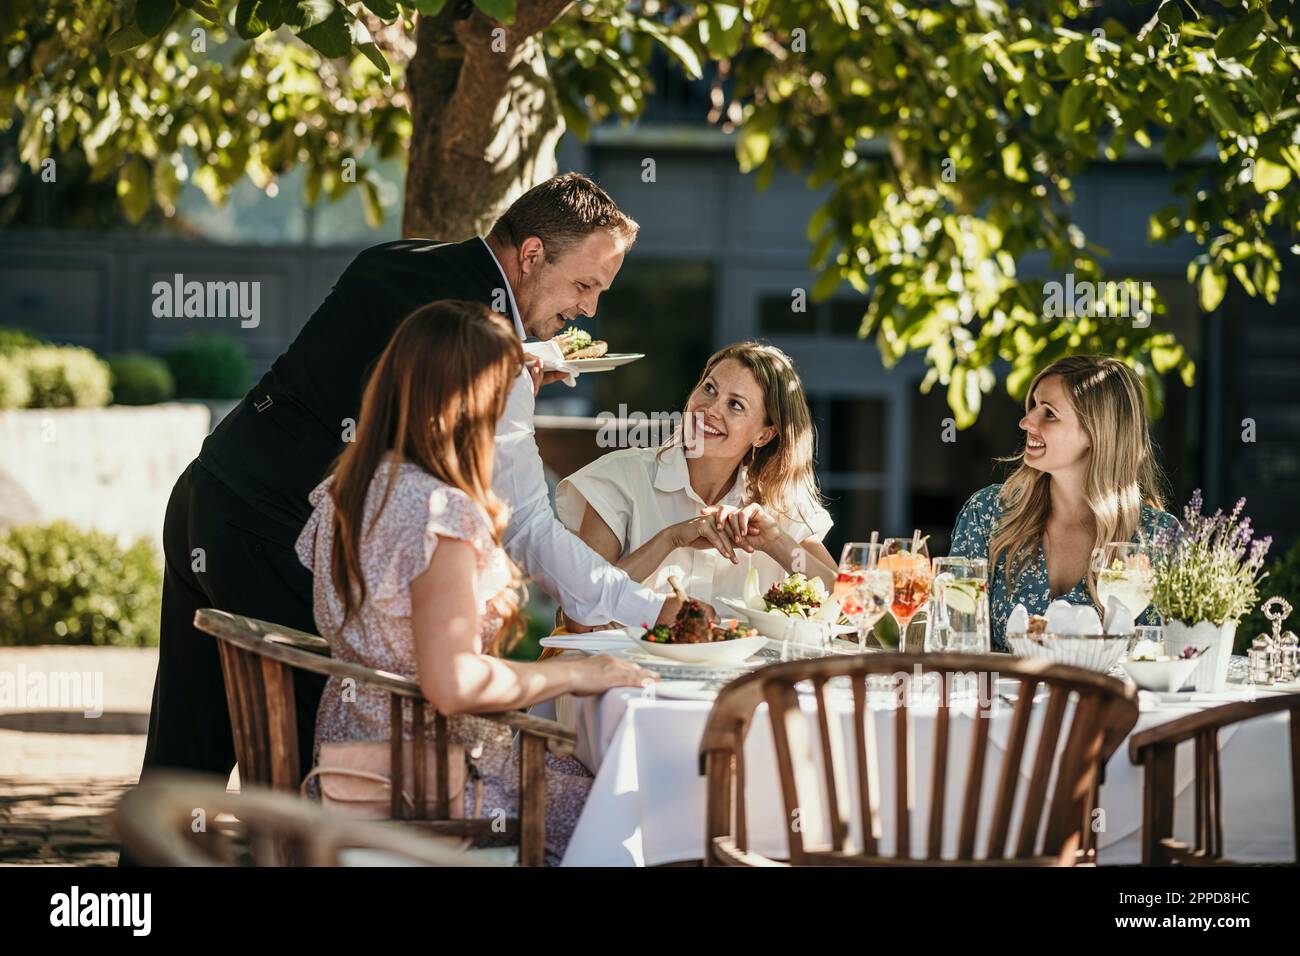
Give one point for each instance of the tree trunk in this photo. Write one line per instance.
(485, 121)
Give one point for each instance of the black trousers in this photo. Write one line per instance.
(242, 571)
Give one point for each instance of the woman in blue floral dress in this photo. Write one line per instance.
(1087, 476)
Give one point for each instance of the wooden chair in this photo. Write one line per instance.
(256, 658)
(157, 824)
(1154, 750)
(1105, 711)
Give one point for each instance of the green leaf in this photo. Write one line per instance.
(133, 188)
(249, 20)
(207, 9)
(1071, 103)
(1170, 14)
(374, 209)
(826, 283)
(128, 37)
(752, 146)
(152, 15)
(428, 8)
(375, 56)
(502, 10)
(1213, 284)
(1073, 58)
(1012, 166)
(674, 44)
(1220, 108)
(302, 14)
(1238, 37)
(1270, 175)
(331, 36)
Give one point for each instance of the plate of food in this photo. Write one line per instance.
(584, 354)
(695, 637)
(796, 608)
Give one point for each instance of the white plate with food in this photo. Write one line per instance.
(605, 363)
(720, 651)
(782, 627)
(796, 608)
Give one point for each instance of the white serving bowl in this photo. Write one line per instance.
(1165, 676)
(1092, 652)
(735, 651)
(782, 627)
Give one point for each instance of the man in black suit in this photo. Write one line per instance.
(235, 514)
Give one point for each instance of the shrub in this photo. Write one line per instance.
(62, 585)
(13, 341)
(63, 376)
(209, 366)
(1283, 580)
(15, 391)
(140, 379)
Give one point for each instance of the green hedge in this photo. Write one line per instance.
(13, 341)
(15, 390)
(66, 376)
(209, 366)
(36, 374)
(62, 585)
(140, 379)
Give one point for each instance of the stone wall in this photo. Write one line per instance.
(106, 468)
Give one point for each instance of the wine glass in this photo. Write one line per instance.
(1123, 570)
(863, 590)
(908, 560)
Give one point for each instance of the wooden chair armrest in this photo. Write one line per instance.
(1185, 728)
(300, 640)
(559, 739)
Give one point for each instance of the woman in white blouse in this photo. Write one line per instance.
(734, 489)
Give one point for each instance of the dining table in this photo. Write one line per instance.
(646, 805)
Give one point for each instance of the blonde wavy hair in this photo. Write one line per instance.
(1122, 473)
(783, 471)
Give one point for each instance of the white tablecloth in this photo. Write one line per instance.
(647, 803)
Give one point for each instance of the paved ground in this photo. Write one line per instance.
(62, 772)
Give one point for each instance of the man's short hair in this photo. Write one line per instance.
(563, 211)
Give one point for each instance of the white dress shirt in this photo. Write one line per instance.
(638, 493)
(591, 590)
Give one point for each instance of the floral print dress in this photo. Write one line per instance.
(397, 546)
(970, 539)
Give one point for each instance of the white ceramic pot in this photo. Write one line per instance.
(1211, 674)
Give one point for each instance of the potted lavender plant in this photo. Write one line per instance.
(1205, 578)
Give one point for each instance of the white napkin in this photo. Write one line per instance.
(1066, 618)
(1119, 619)
(553, 360)
(1018, 620)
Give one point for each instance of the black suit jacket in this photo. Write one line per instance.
(282, 438)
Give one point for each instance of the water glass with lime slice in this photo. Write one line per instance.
(958, 618)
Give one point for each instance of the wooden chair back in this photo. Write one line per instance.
(1104, 711)
(256, 658)
(1155, 750)
(156, 822)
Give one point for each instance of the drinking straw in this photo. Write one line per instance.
(916, 540)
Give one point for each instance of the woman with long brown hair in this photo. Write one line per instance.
(1086, 476)
(405, 549)
(733, 489)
